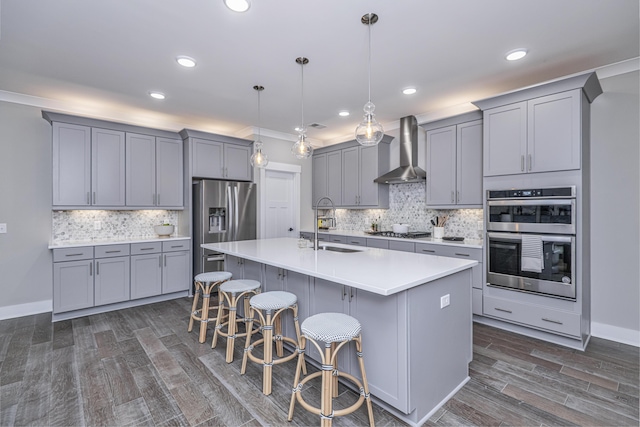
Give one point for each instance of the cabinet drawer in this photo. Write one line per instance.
(394, 245)
(72, 254)
(335, 239)
(360, 241)
(460, 252)
(537, 316)
(378, 243)
(111, 251)
(176, 245)
(425, 248)
(146, 248)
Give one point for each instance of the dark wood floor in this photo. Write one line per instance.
(140, 367)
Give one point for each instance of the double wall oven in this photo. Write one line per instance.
(531, 240)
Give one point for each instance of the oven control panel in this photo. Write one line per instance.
(532, 192)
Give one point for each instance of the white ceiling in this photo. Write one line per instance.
(101, 58)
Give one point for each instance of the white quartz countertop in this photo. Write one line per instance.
(380, 271)
(467, 243)
(114, 241)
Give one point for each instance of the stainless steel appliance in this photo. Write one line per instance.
(531, 240)
(223, 211)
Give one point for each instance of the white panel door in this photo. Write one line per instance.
(280, 218)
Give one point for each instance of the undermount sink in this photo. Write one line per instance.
(339, 249)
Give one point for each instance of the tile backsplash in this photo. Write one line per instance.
(407, 205)
(80, 224)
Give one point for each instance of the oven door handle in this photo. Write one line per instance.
(518, 237)
(503, 246)
(532, 202)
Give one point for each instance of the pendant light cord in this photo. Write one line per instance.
(259, 118)
(369, 27)
(302, 96)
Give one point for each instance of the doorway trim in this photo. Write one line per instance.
(295, 170)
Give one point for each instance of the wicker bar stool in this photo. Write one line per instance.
(205, 283)
(273, 304)
(335, 330)
(230, 293)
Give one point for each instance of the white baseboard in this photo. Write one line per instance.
(615, 333)
(11, 311)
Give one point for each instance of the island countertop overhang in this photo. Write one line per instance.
(381, 271)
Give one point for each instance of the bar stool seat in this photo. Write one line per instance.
(205, 283)
(230, 293)
(335, 330)
(273, 304)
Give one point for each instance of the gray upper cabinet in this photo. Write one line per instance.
(107, 167)
(454, 165)
(71, 165)
(538, 135)
(154, 171)
(345, 173)
(220, 160)
(88, 166)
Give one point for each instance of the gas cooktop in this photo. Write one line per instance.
(409, 235)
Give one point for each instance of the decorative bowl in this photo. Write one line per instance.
(163, 230)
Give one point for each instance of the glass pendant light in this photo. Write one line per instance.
(258, 159)
(369, 132)
(302, 149)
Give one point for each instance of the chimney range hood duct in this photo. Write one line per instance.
(408, 170)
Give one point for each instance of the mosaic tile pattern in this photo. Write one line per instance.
(79, 225)
(407, 206)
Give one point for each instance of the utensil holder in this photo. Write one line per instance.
(438, 232)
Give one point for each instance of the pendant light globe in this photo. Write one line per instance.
(258, 158)
(302, 149)
(369, 131)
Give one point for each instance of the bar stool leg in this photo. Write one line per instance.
(194, 305)
(221, 299)
(267, 335)
(326, 403)
(205, 312)
(247, 344)
(334, 379)
(301, 345)
(365, 383)
(231, 337)
(296, 381)
(277, 327)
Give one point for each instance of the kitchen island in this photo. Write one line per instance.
(415, 312)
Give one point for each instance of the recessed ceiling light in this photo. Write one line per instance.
(157, 95)
(343, 113)
(409, 91)
(515, 54)
(238, 5)
(186, 61)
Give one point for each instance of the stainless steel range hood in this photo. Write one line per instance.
(408, 170)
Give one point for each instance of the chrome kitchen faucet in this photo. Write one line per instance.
(333, 208)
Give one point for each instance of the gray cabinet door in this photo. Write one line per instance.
(140, 170)
(237, 166)
(297, 284)
(71, 165)
(554, 132)
(72, 285)
(146, 275)
(319, 179)
(469, 164)
(107, 167)
(208, 159)
(350, 176)
(505, 139)
(368, 168)
(175, 272)
(334, 177)
(111, 280)
(387, 371)
(273, 279)
(169, 176)
(441, 166)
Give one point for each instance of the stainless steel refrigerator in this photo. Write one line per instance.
(223, 211)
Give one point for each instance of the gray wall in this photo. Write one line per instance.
(25, 205)
(25, 194)
(615, 207)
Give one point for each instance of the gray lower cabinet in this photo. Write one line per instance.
(175, 266)
(378, 243)
(72, 285)
(146, 269)
(112, 274)
(243, 268)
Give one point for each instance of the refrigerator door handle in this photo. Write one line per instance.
(232, 207)
(236, 212)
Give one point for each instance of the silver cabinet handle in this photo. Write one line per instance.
(90, 268)
(557, 322)
(461, 254)
(176, 246)
(88, 198)
(112, 252)
(350, 293)
(522, 163)
(146, 249)
(165, 260)
(530, 162)
(452, 196)
(458, 197)
(428, 250)
(502, 309)
(73, 254)
(160, 260)
(344, 292)
(94, 197)
(97, 268)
